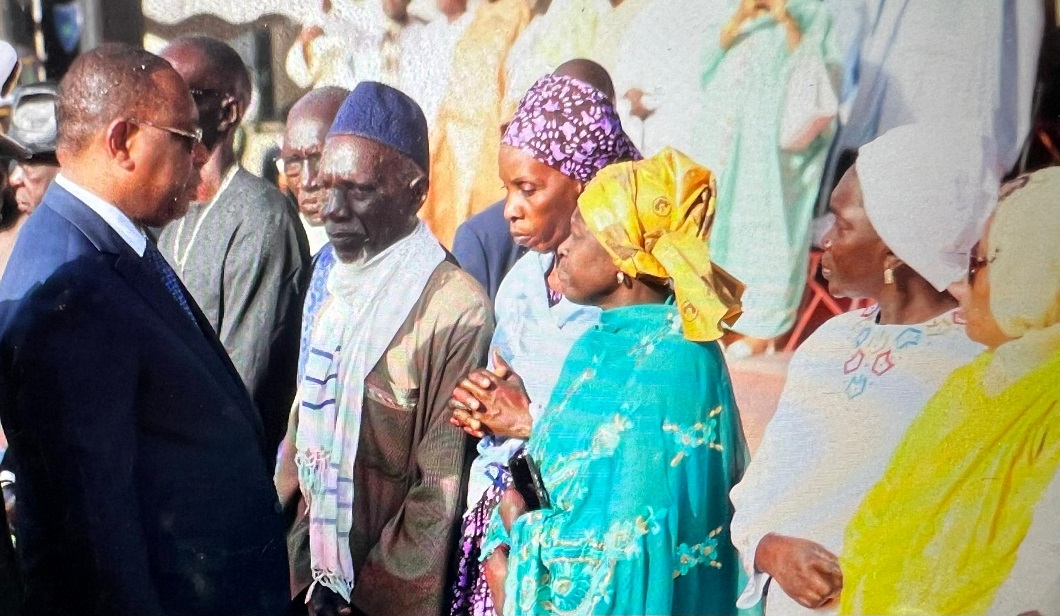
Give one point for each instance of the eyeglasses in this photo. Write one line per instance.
(190, 137)
(294, 166)
(977, 263)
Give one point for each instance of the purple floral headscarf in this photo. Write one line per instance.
(570, 126)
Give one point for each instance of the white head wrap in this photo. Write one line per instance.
(8, 61)
(928, 190)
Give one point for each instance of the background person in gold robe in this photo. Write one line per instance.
(465, 141)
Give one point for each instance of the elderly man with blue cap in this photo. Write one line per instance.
(370, 449)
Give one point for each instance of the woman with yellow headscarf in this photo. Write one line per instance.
(964, 520)
(641, 440)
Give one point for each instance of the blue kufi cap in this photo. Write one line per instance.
(389, 116)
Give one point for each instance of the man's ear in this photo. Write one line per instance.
(419, 187)
(119, 139)
(232, 110)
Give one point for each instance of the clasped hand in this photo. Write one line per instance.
(493, 402)
(806, 570)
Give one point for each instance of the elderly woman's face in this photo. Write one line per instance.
(974, 296)
(854, 255)
(585, 271)
(540, 200)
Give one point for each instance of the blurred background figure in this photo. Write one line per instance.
(11, 591)
(350, 41)
(464, 143)
(32, 129)
(303, 144)
(240, 249)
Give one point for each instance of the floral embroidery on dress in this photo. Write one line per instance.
(696, 435)
(564, 588)
(877, 350)
(566, 490)
(688, 556)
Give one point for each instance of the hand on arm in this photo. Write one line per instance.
(805, 570)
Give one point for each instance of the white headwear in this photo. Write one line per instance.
(928, 190)
(8, 61)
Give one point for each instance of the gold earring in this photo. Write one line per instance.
(888, 276)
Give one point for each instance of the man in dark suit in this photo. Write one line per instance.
(485, 248)
(143, 481)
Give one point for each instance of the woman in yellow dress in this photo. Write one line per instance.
(964, 520)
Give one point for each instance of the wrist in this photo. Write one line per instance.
(524, 427)
(765, 553)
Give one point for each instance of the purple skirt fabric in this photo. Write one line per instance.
(471, 595)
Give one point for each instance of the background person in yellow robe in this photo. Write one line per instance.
(466, 140)
(965, 519)
(569, 29)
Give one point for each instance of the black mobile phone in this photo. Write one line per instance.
(526, 479)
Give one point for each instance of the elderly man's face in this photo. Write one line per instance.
(375, 193)
(29, 180)
(303, 146)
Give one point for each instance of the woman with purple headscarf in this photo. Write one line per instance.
(563, 133)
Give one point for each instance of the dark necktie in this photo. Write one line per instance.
(157, 262)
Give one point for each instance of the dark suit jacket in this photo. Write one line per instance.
(485, 249)
(143, 483)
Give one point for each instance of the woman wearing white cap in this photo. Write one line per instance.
(964, 520)
(907, 214)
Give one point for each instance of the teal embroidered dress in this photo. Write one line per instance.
(638, 449)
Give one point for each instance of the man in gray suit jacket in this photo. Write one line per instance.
(240, 249)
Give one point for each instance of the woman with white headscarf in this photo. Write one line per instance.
(964, 520)
(907, 214)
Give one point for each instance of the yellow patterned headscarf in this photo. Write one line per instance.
(654, 218)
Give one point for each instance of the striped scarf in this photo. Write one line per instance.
(369, 303)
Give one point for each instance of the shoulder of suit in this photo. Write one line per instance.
(48, 241)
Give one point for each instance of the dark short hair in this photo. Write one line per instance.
(224, 61)
(109, 82)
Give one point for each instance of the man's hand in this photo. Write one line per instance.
(325, 602)
(805, 570)
(495, 401)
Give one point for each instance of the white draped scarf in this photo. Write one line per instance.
(369, 302)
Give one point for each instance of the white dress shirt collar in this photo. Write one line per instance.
(122, 224)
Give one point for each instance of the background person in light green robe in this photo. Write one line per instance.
(767, 191)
